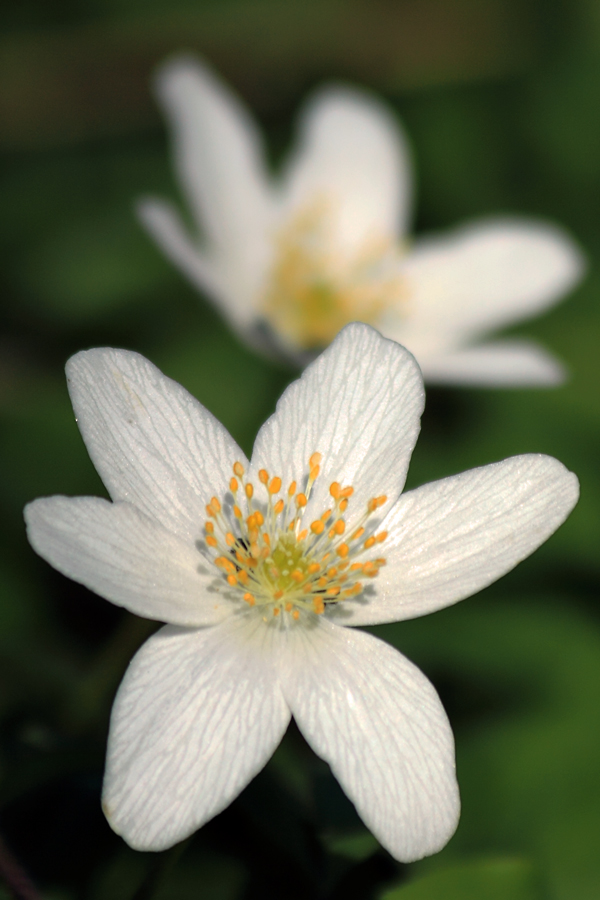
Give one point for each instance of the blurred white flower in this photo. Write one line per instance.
(259, 565)
(290, 261)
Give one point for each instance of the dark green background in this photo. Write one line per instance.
(502, 101)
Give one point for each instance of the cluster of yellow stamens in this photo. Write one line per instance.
(315, 289)
(275, 560)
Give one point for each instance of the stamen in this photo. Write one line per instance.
(272, 560)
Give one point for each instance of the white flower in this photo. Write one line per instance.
(290, 262)
(258, 567)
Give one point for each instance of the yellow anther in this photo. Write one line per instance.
(210, 511)
(209, 527)
(344, 565)
(215, 504)
(380, 561)
(343, 505)
(317, 527)
(307, 589)
(249, 491)
(315, 460)
(237, 512)
(238, 469)
(296, 615)
(275, 485)
(314, 473)
(276, 611)
(347, 492)
(381, 500)
(232, 580)
(292, 489)
(288, 607)
(322, 581)
(372, 504)
(339, 527)
(267, 538)
(249, 599)
(278, 595)
(314, 567)
(318, 606)
(301, 500)
(333, 591)
(303, 534)
(380, 538)
(297, 575)
(254, 550)
(335, 490)
(229, 539)
(357, 588)
(279, 507)
(263, 476)
(233, 484)
(243, 576)
(332, 572)
(259, 518)
(357, 534)
(326, 515)
(369, 542)
(343, 550)
(221, 561)
(355, 566)
(211, 541)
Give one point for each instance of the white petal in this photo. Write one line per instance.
(379, 723)
(484, 276)
(197, 715)
(358, 404)
(234, 289)
(218, 153)
(451, 538)
(352, 151)
(152, 443)
(119, 553)
(501, 364)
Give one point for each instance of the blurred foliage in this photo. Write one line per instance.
(500, 98)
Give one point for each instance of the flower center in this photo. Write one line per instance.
(279, 563)
(314, 289)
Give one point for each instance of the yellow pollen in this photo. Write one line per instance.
(315, 286)
(273, 560)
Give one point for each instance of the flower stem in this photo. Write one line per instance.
(15, 877)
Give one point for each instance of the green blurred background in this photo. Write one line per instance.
(502, 101)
